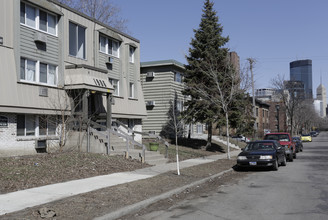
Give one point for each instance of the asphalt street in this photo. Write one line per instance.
(298, 191)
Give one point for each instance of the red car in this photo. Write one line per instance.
(285, 140)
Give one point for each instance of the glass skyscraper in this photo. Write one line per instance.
(301, 70)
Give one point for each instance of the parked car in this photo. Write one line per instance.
(298, 144)
(240, 137)
(266, 153)
(313, 133)
(306, 138)
(285, 140)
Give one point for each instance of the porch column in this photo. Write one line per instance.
(85, 105)
(109, 110)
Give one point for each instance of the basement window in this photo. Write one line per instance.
(3, 122)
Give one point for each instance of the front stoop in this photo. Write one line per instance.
(118, 147)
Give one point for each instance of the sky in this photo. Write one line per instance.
(273, 32)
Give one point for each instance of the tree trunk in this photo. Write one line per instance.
(189, 131)
(209, 136)
(227, 133)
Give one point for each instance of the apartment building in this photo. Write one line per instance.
(162, 84)
(55, 62)
(262, 118)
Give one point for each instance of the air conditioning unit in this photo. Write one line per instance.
(109, 61)
(40, 37)
(150, 103)
(150, 74)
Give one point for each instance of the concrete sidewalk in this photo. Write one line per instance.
(19, 200)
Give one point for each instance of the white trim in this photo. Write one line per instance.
(37, 20)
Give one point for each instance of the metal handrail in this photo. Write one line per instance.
(145, 134)
(118, 132)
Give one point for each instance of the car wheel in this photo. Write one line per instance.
(275, 165)
(284, 162)
(291, 158)
(294, 155)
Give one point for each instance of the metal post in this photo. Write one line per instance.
(108, 142)
(85, 104)
(88, 139)
(251, 61)
(109, 119)
(109, 110)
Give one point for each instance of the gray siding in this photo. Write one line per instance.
(160, 89)
(29, 49)
(115, 71)
(131, 72)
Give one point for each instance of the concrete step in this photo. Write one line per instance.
(157, 162)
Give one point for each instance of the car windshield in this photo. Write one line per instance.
(306, 135)
(260, 146)
(277, 137)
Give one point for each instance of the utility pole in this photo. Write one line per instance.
(251, 62)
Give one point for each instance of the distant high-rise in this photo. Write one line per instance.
(322, 96)
(301, 70)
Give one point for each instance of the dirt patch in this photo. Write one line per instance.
(104, 201)
(18, 173)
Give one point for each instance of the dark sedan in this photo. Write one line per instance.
(298, 144)
(267, 153)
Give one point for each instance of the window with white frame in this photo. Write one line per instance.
(38, 19)
(26, 125)
(109, 46)
(77, 40)
(48, 73)
(3, 121)
(47, 125)
(116, 86)
(179, 105)
(28, 70)
(178, 77)
(131, 90)
(131, 123)
(199, 128)
(32, 125)
(38, 72)
(131, 54)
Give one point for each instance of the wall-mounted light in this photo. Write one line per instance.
(1, 40)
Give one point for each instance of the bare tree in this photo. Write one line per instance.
(227, 87)
(292, 95)
(104, 11)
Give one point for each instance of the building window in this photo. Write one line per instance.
(38, 19)
(199, 129)
(47, 125)
(35, 71)
(263, 113)
(109, 46)
(48, 74)
(76, 40)
(3, 122)
(26, 125)
(131, 94)
(116, 85)
(131, 123)
(177, 77)
(31, 125)
(131, 54)
(179, 106)
(257, 112)
(27, 70)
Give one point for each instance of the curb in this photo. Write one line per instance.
(143, 204)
